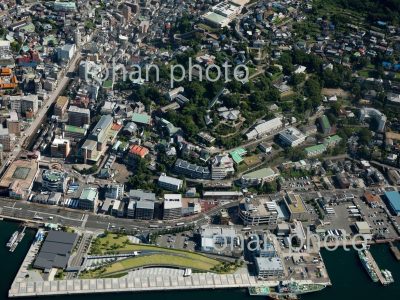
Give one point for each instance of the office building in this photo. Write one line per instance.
(74, 132)
(259, 177)
(222, 167)
(291, 137)
(102, 134)
(191, 170)
(115, 191)
(60, 108)
(18, 179)
(259, 211)
(60, 148)
(78, 116)
(367, 113)
(88, 199)
(269, 267)
(144, 210)
(296, 207)
(190, 206)
(169, 183)
(264, 128)
(214, 238)
(141, 205)
(172, 206)
(66, 52)
(13, 124)
(54, 180)
(64, 6)
(6, 139)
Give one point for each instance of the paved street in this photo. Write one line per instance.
(31, 130)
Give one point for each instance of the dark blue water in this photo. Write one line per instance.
(349, 279)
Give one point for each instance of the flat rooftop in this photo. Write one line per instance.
(23, 171)
(295, 203)
(56, 250)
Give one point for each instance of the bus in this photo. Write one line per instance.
(38, 218)
(153, 226)
(180, 224)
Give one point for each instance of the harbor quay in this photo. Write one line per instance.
(137, 284)
(30, 283)
(160, 280)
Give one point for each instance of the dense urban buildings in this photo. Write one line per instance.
(154, 130)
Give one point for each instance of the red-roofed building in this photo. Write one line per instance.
(116, 127)
(371, 199)
(138, 151)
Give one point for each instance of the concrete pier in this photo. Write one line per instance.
(375, 267)
(395, 251)
(141, 280)
(136, 284)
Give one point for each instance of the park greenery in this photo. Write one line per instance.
(150, 255)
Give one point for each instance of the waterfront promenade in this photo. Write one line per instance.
(153, 279)
(150, 282)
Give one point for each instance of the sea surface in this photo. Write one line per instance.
(349, 279)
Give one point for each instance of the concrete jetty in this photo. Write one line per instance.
(395, 250)
(141, 280)
(375, 267)
(138, 284)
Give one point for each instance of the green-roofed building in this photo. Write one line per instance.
(74, 132)
(108, 85)
(237, 155)
(141, 119)
(259, 177)
(50, 38)
(88, 199)
(64, 6)
(216, 20)
(28, 28)
(332, 141)
(315, 150)
(325, 125)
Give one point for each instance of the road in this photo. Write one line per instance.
(31, 130)
(84, 219)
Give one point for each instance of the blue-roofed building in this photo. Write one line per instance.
(386, 65)
(393, 202)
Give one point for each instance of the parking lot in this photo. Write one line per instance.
(378, 219)
(305, 266)
(183, 241)
(340, 219)
(301, 184)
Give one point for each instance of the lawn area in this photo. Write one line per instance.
(206, 27)
(121, 268)
(205, 264)
(114, 243)
(249, 162)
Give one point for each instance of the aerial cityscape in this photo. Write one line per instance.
(209, 148)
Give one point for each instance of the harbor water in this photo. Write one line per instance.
(349, 279)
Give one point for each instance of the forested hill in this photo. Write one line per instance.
(376, 10)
